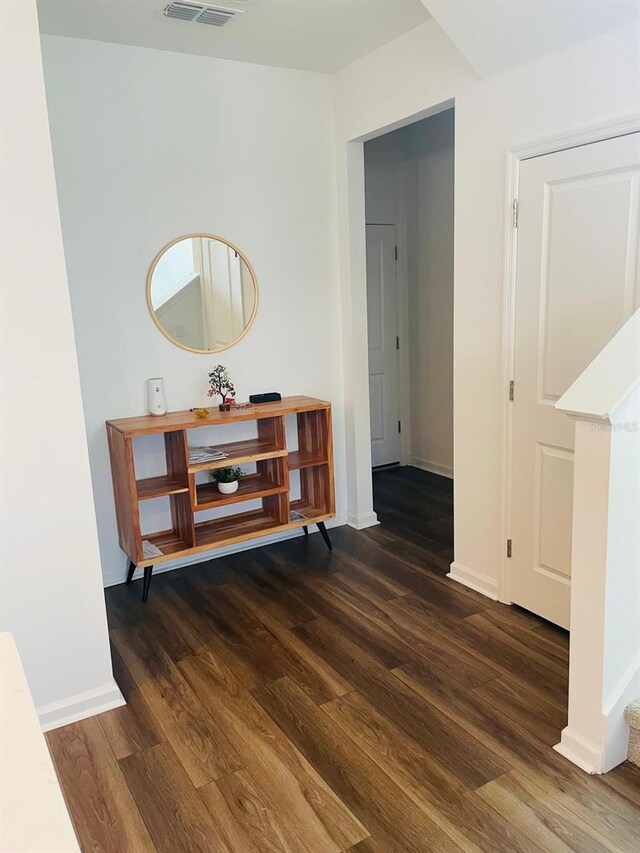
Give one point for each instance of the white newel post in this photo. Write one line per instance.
(604, 667)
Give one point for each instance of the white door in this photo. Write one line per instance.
(577, 282)
(382, 317)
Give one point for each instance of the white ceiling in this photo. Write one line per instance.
(314, 35)
(496, 35)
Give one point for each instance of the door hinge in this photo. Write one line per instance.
(508, 547)
(399, 426)
(397, 342)
(396, 248)
(512, 385)
(515, 210)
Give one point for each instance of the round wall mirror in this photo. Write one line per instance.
(202, 293)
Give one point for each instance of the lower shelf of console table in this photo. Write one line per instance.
(148, 569)
(189, 496)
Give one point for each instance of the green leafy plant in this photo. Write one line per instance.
(228, 474)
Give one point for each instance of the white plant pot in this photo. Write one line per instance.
(228, 488)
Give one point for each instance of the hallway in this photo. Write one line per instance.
(291, 699)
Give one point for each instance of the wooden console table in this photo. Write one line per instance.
(270, 483)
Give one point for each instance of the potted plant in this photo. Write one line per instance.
(221, 384)
(227, 478)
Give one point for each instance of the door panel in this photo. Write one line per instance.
(576, 283)
(383, 354)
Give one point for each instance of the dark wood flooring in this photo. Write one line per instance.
(288, 699)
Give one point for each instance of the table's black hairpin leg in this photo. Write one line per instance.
(325, 535)
(146, 582)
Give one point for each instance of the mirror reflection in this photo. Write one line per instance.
(202, 293)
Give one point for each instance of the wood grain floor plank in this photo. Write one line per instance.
(192, 603)
(543, 650)
(103, 811)
(284, 781)
(179, 637)
(361, 630)
(132, 727)
(367, 578)
(430, 728)
(625, 780)
(545, 819)
(268, 830)
(447, 662)
(555, 634)
(369, 845)
(391, 562)
(247, 638)
(345, 604)
(586, 796)
(510, 657)
(538, 718)
(196, 737)
(430, 785)
(266, 588)
(176, 817)
(387, 813)
(235, 838)
(505, 736)
(310, 672)
(415, 569)
(396, 522)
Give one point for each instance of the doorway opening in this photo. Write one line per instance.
(409, 206)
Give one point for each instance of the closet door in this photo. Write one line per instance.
(577, 283)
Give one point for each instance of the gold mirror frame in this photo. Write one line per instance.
(256, 292)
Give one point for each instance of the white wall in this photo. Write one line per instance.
(149, 145)
(409, 183)
(408, 77)
(51, 598)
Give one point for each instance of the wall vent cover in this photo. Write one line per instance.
(215, 16)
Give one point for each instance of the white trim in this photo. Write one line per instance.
(116, 575)
(353, 293)
(360, 522)
(431, 467)
(619, 126)
(474, 580)
(80, 706)
(598, 132)
(433, 110)
(581, 752)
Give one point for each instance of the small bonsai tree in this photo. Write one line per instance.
(220, 383)
(227, 474)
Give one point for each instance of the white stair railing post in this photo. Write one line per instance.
(604, 659)
(582, 739)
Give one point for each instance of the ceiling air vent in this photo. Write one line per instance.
(183, 11)
(215, 16)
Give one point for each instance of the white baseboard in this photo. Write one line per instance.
(474, 580)
(360, 522)
(116, 575)
(80, 706)
(581, 752)
(431, 467)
